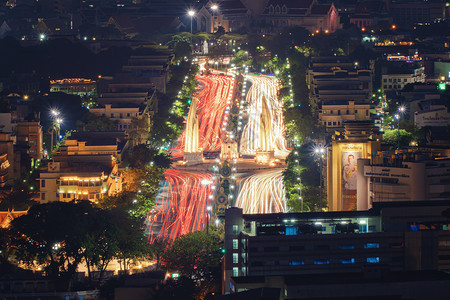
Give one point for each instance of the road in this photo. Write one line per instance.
(213, 101)
(262, 193)
(188, 190)
(263, 88)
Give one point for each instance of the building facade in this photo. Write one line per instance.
(289, 244)
(360, 140)
(85, 167)
(407, 181)
(333, 116)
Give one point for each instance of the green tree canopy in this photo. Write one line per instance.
(92, 122)
(60, 235)
(193, 255)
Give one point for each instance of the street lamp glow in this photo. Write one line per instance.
(208, 208)
(54, 112)
(191, 13)
(214, 7)
(59, 121)
(401, 109)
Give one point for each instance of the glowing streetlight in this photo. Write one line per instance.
(319, 152)
(191, 13)
(208, 210)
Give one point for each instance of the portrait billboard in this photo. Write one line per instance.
(349, 167)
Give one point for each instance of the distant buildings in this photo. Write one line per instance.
(268, 17)
(398, 76)
(266, 250)
(74, 86)
(86, 167)
(418, 180)
(8, 167)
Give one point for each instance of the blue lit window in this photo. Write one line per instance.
(296, 262)
(347, 261)
(371, 245)
(362, 228)
(291, 230)
(372, 228)
(321, 262)
(346, 247)
(373, 260)
(414, 228)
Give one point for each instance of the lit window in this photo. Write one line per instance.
(235, 229)
(235, 272)
(235, 244)
(244, 271)
(373, 260)
(321, 262)
(371, 245)
(346, 247)
(235, 258)
(347, 261)
(291, 230)
(296, 262)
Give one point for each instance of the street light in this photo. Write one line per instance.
(401, 110)
(214, 8)
(208, 209)
(319, 151)
(191, 13)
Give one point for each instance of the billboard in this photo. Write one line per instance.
(349, 167)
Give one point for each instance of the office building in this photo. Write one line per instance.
(394, 236)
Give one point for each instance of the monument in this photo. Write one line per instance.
(192, 153)
(229, 148)
(266, 152)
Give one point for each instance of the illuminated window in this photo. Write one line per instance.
(321, 262)
(346, 247)
(235, 272)
(347, 261)
(235, 244)
(235, 229)
(296, 262)
(371, 245)
(291, 230)
(373, 260)
(235, 258)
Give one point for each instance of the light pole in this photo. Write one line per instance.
(214, 8)
(319, 151)
(54, 113)
(59, 122)
(401, 110)
(191, 13)
(208, 209)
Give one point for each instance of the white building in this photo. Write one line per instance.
(123, 113)
(398, 81)
(333, 116)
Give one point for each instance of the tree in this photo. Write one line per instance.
(60, 235)
(17, 198)
(141, 156)
(92, 122)
(140, 189)
(394, 136)
(47, 236)
(194, 255)
(139, 131)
